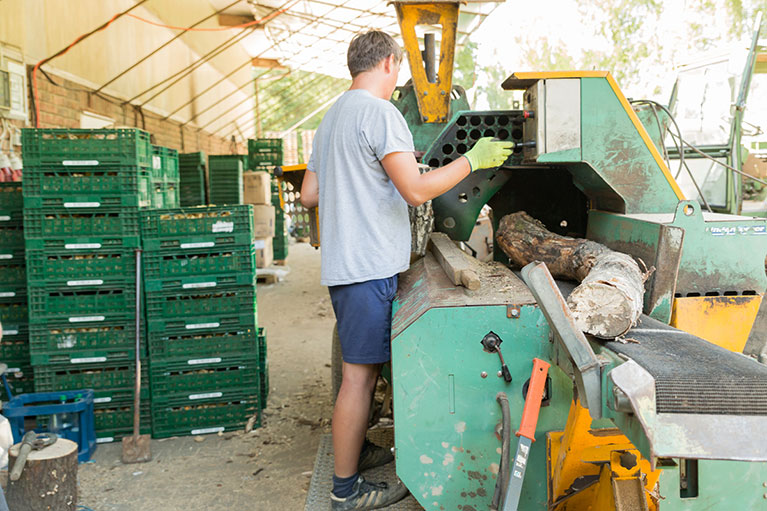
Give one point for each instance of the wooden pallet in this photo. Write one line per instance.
(271, 275)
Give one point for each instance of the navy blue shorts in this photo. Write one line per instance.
(363, 313)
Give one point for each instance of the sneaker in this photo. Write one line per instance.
(367, 495)
(373, 456)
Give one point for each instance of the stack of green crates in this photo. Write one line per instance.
(281, 240)
(199, 275)
(82, 193)
(14, 346)
(225, 178)
(191, 168)
(263, 366)
(165, 177)
(264, 153)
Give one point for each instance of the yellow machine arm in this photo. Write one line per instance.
(432, 90)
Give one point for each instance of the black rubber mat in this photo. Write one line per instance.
(693, 375)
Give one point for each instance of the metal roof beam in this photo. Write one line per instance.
(153, 52)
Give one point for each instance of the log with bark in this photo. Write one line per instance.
(609, 299)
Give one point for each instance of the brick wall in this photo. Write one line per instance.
(62, 103)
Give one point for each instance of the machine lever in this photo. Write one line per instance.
(492, 343)
(504, 368)
(586, 366)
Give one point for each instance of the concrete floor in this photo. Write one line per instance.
(268, 469)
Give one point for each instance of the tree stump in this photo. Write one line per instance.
(609, 299)
(49, 479)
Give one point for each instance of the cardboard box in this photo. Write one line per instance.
(257, 188)
(263, 221)
(264, 252)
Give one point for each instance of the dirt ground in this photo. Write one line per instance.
(267, 469)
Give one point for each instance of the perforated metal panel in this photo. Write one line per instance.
(467, 127)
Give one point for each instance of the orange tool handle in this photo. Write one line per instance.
(533, 399)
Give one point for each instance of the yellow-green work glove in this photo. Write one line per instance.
(487, 154)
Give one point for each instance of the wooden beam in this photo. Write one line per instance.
(267, 63)
(232, 20)
(454, 261)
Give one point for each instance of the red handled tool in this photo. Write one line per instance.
(526, 433)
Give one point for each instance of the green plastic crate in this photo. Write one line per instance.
(181, 243)
(96, 376)
(165, 195)
(165, 163)
(202, 324)
(263, 363)
(74, 304)
(202, 263)
(264, 152)
(180, 417)
(10, 218)
(105, 397)
(54, 342)
(204, 284)
(107, 436)
(13, 270)
(86, 148)
(15, 344)
(88, 203)
(11, 238)
(101, 184)
(208, 220)
(84, 244)
(233, 300)
(225, 178)
(280, 251)
(11, 196)
(226, 377)
(200, 344)
(107, 356)
(14, 312)
(58, 270)
(119, 415)
(20, 379)
(268, 144)
(55, 223)
(197, 158)
(13, 293)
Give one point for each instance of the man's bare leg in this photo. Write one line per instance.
(350, 415)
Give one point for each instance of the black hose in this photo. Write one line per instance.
(503, 471)
(681, 149)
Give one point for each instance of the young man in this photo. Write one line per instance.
(363, 174)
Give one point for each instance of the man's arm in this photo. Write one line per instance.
(417, 188)
(310, 190)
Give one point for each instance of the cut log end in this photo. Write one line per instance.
(602, 310)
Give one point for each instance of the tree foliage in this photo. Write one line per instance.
(639, 41)
(286, 100)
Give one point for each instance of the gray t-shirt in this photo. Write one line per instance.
(364, 225)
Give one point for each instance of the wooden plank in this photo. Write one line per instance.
(453, 261)
(233, 20)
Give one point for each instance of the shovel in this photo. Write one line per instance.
(136, 448)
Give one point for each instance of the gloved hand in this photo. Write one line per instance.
(488, 154)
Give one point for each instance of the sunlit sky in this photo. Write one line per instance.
(561, 23)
